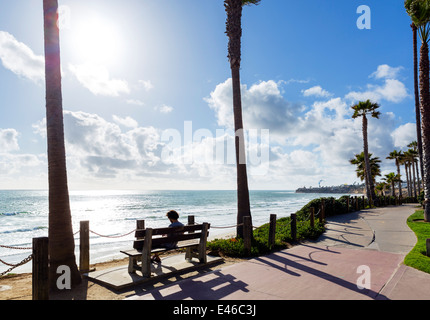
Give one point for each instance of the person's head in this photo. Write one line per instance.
(172, 215)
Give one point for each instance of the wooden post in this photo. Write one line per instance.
(347, 204)
(294, 227)
(322, 213)
(188, 250)
(140, 224)
(40, 272)
(363, 205)
(356, 203)
(428, 247)
(203, 241)
(146, 254)
(247, 233)
(272, 230)
(312, 218)
(84, 247)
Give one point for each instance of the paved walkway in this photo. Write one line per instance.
(359, 257)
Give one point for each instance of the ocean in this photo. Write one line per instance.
(113, 214)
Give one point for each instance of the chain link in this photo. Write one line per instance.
(16, 265)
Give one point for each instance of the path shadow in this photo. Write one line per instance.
(280, 258)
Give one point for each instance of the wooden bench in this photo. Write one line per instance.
(191, 237)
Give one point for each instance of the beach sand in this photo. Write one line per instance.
(19, 286)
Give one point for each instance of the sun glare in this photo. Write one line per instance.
(96, 40)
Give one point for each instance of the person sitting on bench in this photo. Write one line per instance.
(173, 216)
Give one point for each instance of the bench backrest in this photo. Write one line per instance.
(160, 236)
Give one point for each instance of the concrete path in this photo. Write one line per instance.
(358, 258)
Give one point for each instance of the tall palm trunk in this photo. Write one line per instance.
(370, 187)
(417, 100)
(234, 32)
(418, 179)
(408, 183)
(400, 180)
(61, 241)
(425, 123)
(413, 177)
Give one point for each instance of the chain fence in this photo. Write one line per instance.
(30, 257)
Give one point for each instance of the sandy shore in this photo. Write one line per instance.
(18, 287)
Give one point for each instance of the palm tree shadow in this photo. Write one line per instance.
(280, 259)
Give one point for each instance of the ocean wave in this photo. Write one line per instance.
(24, 230)
(8, 214)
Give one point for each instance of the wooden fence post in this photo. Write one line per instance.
(140, 224)
(312, 217)
(272, 230)
(428, 247)
(84, 247)
(363, 204)
(247, 233)
(347, 204)
(188, 250)
(356, 203)
(40, 272)
(322, 213)
(294, 227)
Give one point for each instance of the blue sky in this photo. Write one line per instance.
(137, 72)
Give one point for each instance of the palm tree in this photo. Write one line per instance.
(362, 109)
(361, 167)
(419, 11)
(415, 152)
(381, 186)
(419, 144)
(396, 155)
(61, 241)
(233, 9)
(391, 178)
(411, 155)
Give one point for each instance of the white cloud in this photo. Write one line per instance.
(263, 106)
(126, 122)
(135, 102)
(8, 140)
(384, 71)
(316, 91)
(146, 84)
(391, 90)
(96, 78)
(404, 135)
(164, 109)
(20, 59)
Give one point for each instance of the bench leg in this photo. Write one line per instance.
(131, 261)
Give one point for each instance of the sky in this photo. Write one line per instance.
(147, 93)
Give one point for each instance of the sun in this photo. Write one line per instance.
(96, 40)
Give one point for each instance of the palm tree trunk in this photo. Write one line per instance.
(417, 100)
(370, 187)
(418, 179)
(400, 181)
(425, 124)
(234, 32)
(413, 177)
(408, 181)
(61, 241)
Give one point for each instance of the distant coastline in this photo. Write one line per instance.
(350, 189)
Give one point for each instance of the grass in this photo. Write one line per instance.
(417, 257)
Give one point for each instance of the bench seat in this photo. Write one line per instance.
(149, 240)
